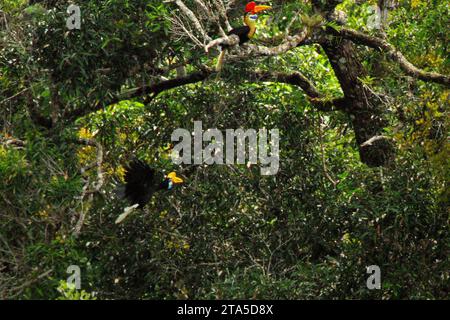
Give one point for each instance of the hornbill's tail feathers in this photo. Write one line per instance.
(220, 60)
(126, 212)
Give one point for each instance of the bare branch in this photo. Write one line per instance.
(14, 96)
(185, 31)
(322, 149)
(18, 290)
(16, 143)
(372, 140)
(207, 10)
(188, 12)
(223, 13)
(97, 185)
(98, 163)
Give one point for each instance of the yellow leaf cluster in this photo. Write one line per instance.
(415, 3)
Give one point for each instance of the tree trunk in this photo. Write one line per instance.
(364, 109)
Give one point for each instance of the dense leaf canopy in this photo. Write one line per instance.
(360, 98)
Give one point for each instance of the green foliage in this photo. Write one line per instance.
(68, 292)
(10, 6)
(307, 233)
(13, 169)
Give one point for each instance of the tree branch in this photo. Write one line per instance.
(98, 163)
(394, 54)
(296, 79)
(97, 185)
(188, 12)
(288, 43)
(372, 140)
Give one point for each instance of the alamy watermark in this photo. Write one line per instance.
(74, 20)
(374, 280)
(75, 276)
(221, 150)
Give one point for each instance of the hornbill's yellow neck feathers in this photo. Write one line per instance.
(141, 181)
(250, 21)
(245, 33)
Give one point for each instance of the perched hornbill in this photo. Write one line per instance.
(245, 33)
(141, 181)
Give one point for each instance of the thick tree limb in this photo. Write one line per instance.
(323, 104)
(394, 54)
(230, 41)
(289, 43)
(299, 80)
(157, 88)
(152, 91)
(296, 79)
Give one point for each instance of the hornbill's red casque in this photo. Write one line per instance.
(141, 181)
(245, 33)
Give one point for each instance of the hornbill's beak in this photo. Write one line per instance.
(174, 178)
(261, 8)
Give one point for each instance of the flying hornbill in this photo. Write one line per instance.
(141, 181)
(245, 33)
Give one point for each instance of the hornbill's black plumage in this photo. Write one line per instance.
(141, 182)
(243, 32)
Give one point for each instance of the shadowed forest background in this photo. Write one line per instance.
(364, 153)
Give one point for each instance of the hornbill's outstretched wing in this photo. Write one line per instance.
(140, 182)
